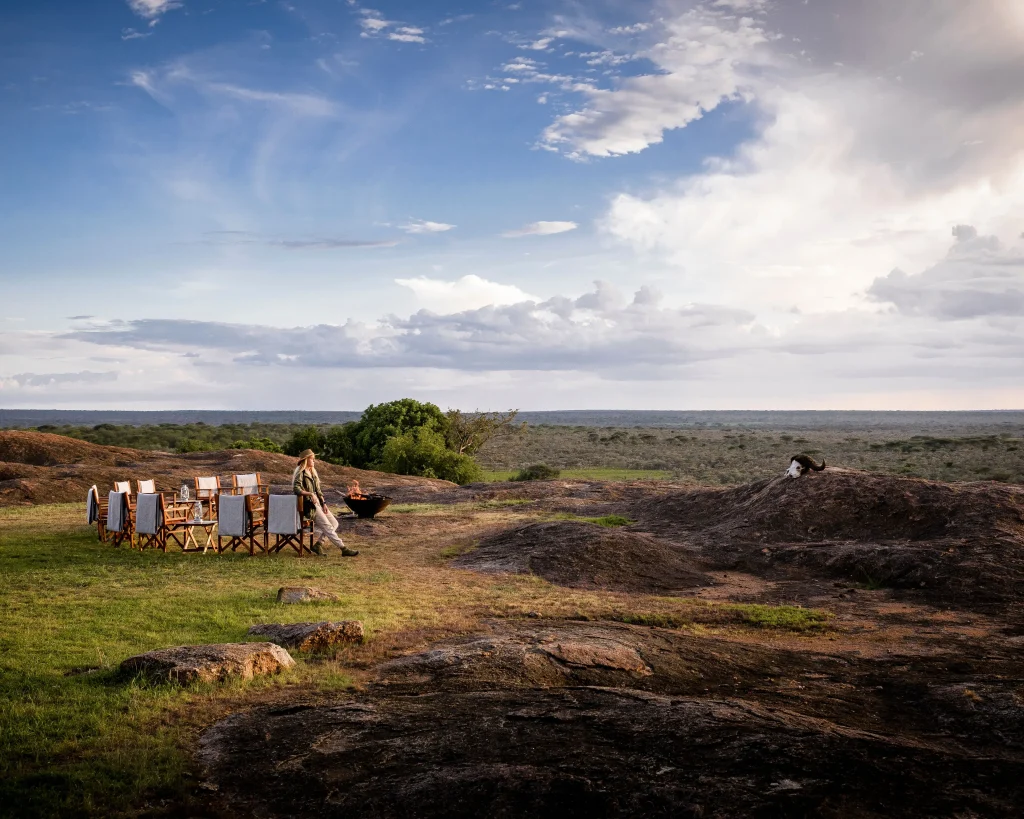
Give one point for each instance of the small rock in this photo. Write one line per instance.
(310, 636)
(303, 594)
(188, 664)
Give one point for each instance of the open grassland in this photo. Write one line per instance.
(76, 738)
(960, 447)
(721, 457)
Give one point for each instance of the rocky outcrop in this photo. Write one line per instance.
(585, 555)
(310, 636)
(304, 594)
(586, 753)
(210, 663)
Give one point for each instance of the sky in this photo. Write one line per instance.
(567, 204)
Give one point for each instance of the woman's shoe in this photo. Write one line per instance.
(347, 552)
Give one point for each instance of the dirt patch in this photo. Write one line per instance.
(585, 555)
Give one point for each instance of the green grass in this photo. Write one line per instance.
(74, 742)
(608, 521)
(781, 618)
(591, 474)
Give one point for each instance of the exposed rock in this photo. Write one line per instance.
(187, 664)
(303, 594)
(585, 555)
(954, 544)
(586, 752)
(310, 636)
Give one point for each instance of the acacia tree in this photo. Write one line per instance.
(466, 433)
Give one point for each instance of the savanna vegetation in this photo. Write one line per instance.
(504, 450)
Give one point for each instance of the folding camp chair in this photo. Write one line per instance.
(251, 484)
(119, 519)
(96, 512)
(240, 519)
(208, 489)
(155, 519)
(285, 523)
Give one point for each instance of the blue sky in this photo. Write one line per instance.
(665, 204)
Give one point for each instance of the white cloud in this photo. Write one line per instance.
(541, 44)
(851, 171)
(468, 293)
(742, 5)
(374, 24)
(405, 37)
(541, 229)
(41, 380)
(424, 226)
(636, 28)
(977, 279)
(153, 9)
(699, 57)
(160, 86)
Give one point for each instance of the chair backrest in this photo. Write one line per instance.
(117, 511)
(283, 514)
(123, 486)
(247, 484)
(147, 487)
(232, 514)
(207, 487)
(149, 514)
(92, 505)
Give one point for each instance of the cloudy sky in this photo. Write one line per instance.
(547, 204)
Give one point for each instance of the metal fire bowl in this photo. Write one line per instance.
(369, 506)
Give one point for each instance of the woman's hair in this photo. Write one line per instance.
(299, 469)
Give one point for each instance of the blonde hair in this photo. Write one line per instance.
(300, 467)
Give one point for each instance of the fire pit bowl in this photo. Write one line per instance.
(368, 505)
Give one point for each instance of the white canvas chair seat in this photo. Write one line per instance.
(123, 486)
(147, 487)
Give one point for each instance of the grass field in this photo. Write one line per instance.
(731, 456)
(78, 739)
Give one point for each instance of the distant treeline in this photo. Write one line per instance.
(198, 437)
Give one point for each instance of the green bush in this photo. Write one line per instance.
(381, 422)
(187, 445)
(261, 444)
(537, 472)
(422, 451)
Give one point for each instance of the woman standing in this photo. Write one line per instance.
(306, 483)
